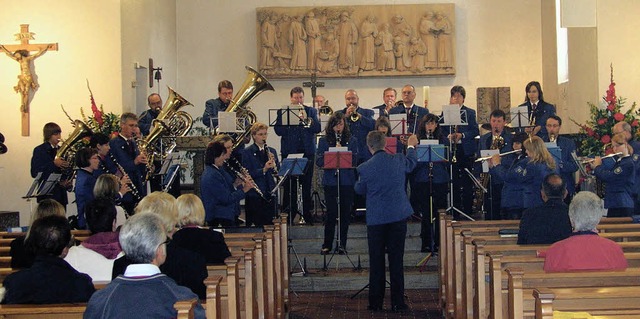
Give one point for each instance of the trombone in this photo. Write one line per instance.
(486, 158)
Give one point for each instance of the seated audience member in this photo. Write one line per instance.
(187, 268)
(584, 249)
(20, 256)
(95, 255)
(550, 222)
(108, 186)
(50, 279)
(143, 291)
(193, 236)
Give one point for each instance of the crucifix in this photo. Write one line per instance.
(27, 82)
(313, 84)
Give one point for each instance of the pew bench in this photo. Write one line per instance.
(600, 301)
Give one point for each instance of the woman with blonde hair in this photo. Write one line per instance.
(193, 236)
(619, 179)
(185, 267)
(539, 164)
(108, 186)
(20, 256)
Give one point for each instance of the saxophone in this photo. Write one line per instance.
(478, 199)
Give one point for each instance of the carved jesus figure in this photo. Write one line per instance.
(26, 81)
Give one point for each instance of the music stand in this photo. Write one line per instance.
(391, 147)
(519, 118)
(453, 116)
(431, 153)
(292, 166)
(338, 160)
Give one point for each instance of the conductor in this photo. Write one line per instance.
(386, 220)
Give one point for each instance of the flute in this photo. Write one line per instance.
(482, 159)
(603, 157)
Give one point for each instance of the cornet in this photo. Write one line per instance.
(304, 120)
(552, 138)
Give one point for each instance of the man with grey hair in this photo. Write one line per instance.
(143, 239)
(388, 208)
(584, 249)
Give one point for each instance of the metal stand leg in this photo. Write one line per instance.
(338, 242)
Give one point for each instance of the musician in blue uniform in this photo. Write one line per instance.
(463, 138)
(566, 166)
(100, 143)
(625, 128)
(337, 134)
(146, 118)
(213, 106)
(619, 179)
(537, 109)
(407, 106)
(262, 162)
(540, 163)
(361, 126)
(429, 190)
(512, 203)
(44, 160)
(88, 162)
(220, 192)
(126, 154)
(498, 139)
(298, 138)
(389, 101)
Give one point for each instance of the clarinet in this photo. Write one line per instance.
(242, 173)
(134, 189)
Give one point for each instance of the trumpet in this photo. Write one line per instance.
(587, 161)
(355, 116)
(304, 120)
(242, 173)
(552, 138)
(486, 158)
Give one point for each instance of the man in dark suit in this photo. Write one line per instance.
(126, 153)
(566, 166)
(44, 160)
(213, 106)
(464, 138)
(388, 208)
(538, 110)
(298, 138)
(550, 222)
(362, 126)
(499, 139)
(414, 112)
(389, 101)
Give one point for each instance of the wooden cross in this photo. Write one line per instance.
(313, 84)
(27, 82)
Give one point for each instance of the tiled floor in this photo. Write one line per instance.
(423, 303)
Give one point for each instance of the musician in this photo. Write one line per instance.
(567, 166)
(383, 125)
(154, 101)
(299, 139)
(625, 129)
(499, 139)
(511, 203)
(262, 162)
(619, 179)
(387, 211)
(88, 162)
(539, 165)
(361, 127)
(213, 106)
(389, 101)
(429, 191)
(100, 142)
(463, 136)
(337, 134)
(44, 160)
(318, 102)
(220, 192)
(126, 153)
(407, 106)
(537, 109)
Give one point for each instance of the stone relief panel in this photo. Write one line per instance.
(356, 41)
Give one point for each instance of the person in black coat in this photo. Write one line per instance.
(549, 223)
(537, 109)
(44, 161)
(50, 279)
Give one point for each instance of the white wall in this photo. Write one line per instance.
(88, 34)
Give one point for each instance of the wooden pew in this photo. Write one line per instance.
(600, 301)
(521, 285)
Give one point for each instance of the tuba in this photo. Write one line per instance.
(253, 85)
(171, 122)
(67, 150)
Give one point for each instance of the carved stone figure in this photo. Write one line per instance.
(269, 42)
(399, 51)
(297, 40)
(429, 39)
(313, 36)
(384, 49)
(368, 32)
(443, 31)
(284, 49)
(327, 57)
(417, 51)
(402, 30)
(347, 39)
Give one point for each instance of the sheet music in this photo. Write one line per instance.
(227, 122)
(299, 155)
(398, 124)
(486, 153)
(339, 149)
(429, 142)
(452, 116)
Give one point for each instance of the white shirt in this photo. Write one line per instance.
(141, 270)
(89, 262)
